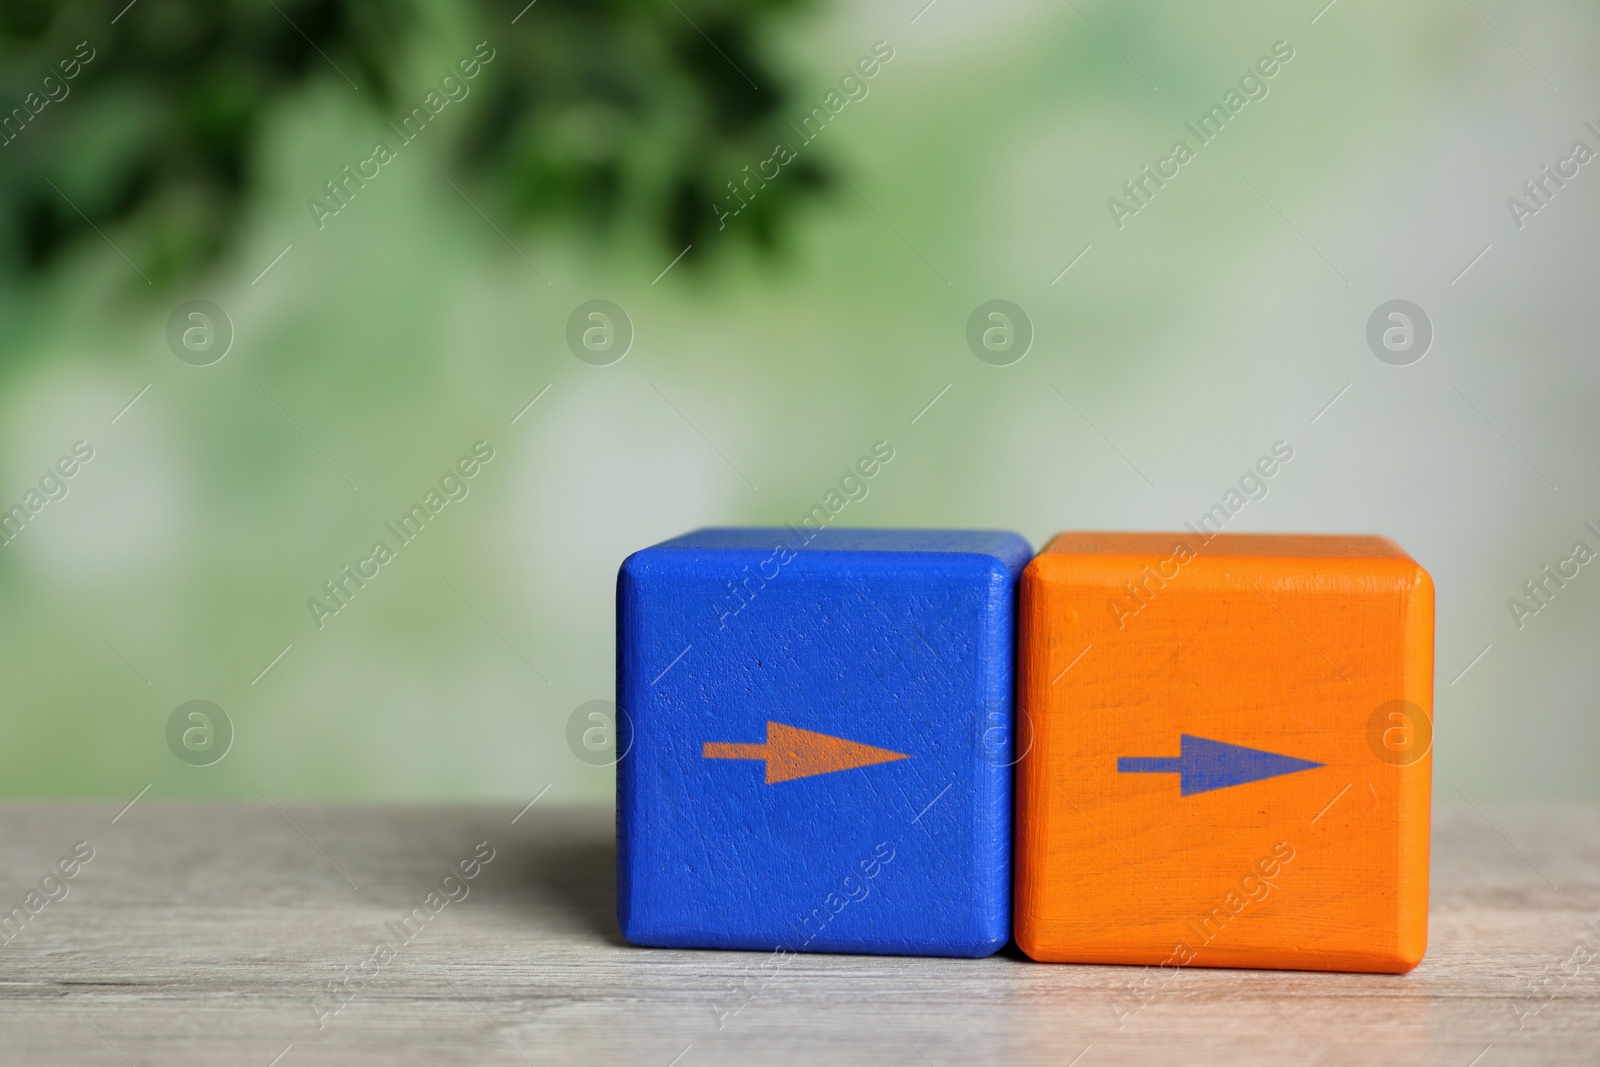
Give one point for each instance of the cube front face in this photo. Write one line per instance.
(817, 741)
(1230, 761)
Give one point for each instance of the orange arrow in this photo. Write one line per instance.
(791, 752)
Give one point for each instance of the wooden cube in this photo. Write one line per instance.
(817, 738)
(1229, 752)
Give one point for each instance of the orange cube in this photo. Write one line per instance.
(1228, 752)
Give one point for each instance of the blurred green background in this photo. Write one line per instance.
(372, 353)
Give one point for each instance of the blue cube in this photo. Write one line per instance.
(815, 729)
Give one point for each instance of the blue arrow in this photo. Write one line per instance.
(1206, 765)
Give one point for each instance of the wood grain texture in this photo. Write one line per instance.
(201, 934)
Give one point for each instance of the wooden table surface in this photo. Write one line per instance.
(207, 934)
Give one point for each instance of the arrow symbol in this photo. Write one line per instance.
(790, 752)
(1204, 765)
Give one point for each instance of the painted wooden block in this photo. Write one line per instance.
(1230, 760)
(816, 731)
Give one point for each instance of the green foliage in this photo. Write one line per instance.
(614, 115)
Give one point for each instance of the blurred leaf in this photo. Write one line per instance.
(614, 115)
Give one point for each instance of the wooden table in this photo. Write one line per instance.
(206, 934)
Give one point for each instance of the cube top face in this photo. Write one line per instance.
(1007, 549)
(1230, 753)
(816, 740)
(1247, 546)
